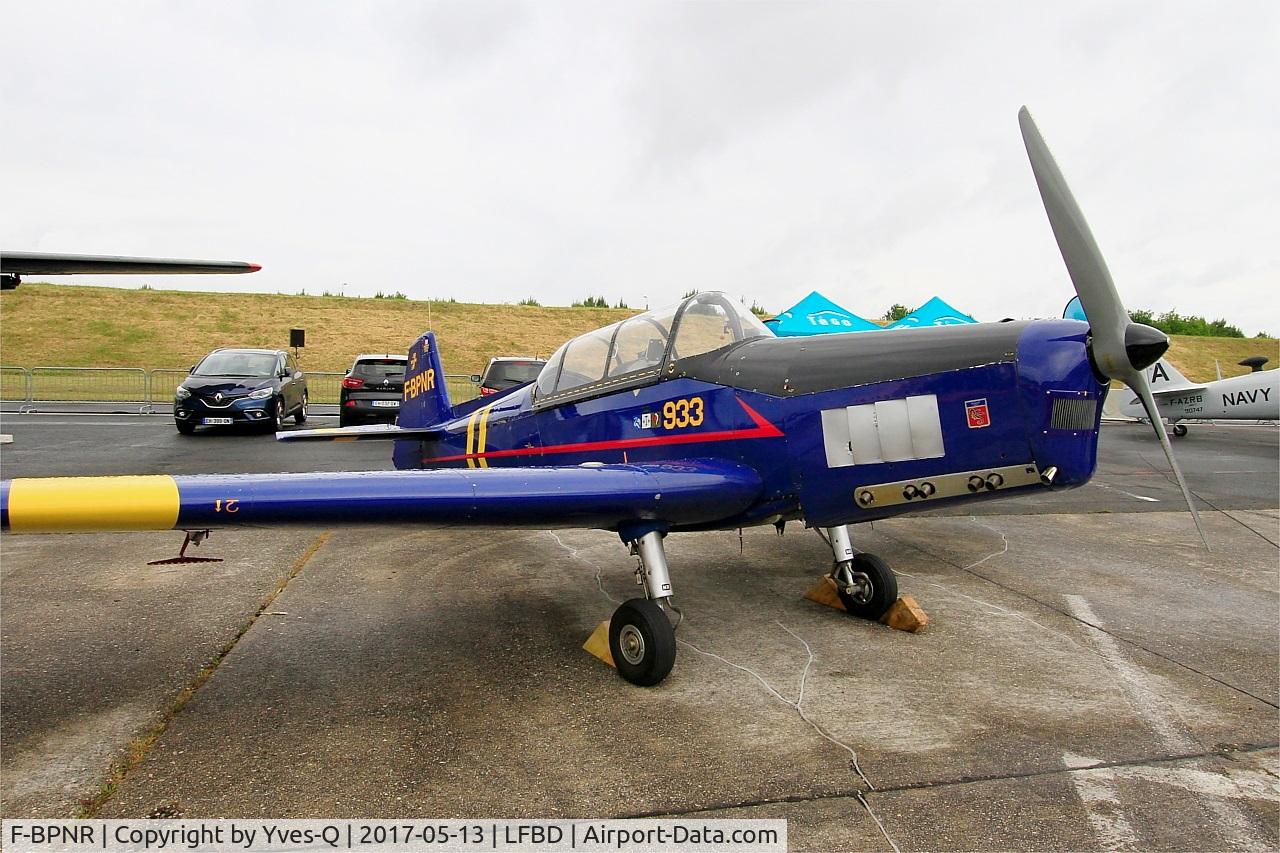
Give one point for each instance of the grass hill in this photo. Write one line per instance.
(76, 326)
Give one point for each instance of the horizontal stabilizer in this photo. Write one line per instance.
(1177, 392)
(592, 496)
(371, 432)
(43, 263)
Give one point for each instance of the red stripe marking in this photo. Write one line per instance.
(762, 429)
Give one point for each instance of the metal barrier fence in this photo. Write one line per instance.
(90, 384)
(164, 382)
(149, 388)
(324, 388)
(15, 385)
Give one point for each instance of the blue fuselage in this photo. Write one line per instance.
(837, 430)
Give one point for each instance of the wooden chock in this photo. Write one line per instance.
(906, 615)
(597, 645)
(824, 592)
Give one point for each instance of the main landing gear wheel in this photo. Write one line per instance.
(873, 590)
(642, 642)
(1179, 430)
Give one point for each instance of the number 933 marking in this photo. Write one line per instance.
(682, 413)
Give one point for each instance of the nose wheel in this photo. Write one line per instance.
(866, 585)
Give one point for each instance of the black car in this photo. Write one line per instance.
(372, 389)
(506, 372)
(241, 386)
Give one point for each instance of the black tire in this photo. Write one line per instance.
(1179, 430)
(300, 416)
(344, 421)
(185, 428)
(642, 642)
(883, 590)
(275, 423)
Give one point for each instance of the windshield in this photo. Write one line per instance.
(634, 350)
(379, 368)
(512, 373)
(237, 363)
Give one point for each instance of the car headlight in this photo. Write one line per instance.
(261, 394)
(182, 393)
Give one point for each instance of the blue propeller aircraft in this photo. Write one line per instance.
(696, 417)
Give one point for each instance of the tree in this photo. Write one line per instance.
(897, 312)
(1173, 323)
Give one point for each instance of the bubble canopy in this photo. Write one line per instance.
(633, 351)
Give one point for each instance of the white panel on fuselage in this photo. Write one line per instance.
(885, 431)
(864, 439)
(894, 426)
(926, 428)
(835, 438)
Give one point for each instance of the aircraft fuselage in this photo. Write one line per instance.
(841, 429)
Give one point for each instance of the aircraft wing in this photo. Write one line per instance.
(43, 263)
(591, 495)
(370, 432)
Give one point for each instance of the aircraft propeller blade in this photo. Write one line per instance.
(1120, 348)
(1148, 402)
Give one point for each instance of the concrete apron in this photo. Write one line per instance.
(1084, 681)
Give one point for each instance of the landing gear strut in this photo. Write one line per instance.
(865, 583)
(641, 637)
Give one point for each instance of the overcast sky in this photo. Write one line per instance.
(491, 151)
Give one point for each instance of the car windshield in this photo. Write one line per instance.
(379, 368)
(513, 372)
(237, 363)
(636, 348)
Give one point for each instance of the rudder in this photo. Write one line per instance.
(426, 395)
(1163, 375)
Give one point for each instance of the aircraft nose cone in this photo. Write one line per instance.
(1144, 345)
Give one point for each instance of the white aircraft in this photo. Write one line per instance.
(1251, 397)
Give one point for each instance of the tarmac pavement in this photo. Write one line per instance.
(1088, 680)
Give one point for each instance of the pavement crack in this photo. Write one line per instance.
(797, 705)
(140, 747)
(1063, 612)
(1167, 475)
(853, 793)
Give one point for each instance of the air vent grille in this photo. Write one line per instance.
(1074, 413)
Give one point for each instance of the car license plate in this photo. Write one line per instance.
(386, 404)
(216, 421)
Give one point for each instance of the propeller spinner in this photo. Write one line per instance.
(1119, 348)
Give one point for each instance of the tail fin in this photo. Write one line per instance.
(1162, 375)
(426, 395)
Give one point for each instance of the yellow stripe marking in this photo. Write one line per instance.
(471, 437)
(482, 443)
(81, 504)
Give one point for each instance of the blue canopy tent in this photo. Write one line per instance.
(935, 312)
(816, 315)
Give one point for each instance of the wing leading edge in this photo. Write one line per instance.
(594, 496)
(44, 263)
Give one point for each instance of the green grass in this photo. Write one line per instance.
(79, 326)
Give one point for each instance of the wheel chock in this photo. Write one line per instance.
(905, 614)
(597, 645)
(824, 592)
